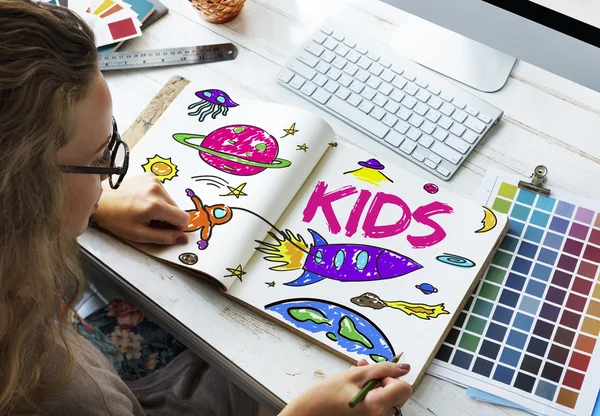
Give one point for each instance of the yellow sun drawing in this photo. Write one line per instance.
(163, 168)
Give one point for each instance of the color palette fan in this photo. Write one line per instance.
(529, 332)
(112, 21)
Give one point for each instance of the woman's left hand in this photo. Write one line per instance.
(141, 210)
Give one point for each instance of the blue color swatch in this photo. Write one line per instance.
(539, 218)
(520, 212)
(521, 265)
(516, 339)
(541, 272)
(526, 197)
(523, 322)
(547, 256)
(516, 228)
(545, 203)
(527, 250)
(533, 234)
(529, 305)
(565, 209)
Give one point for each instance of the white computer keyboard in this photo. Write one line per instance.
(412, 110)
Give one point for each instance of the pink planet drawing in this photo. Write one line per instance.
(238, 149)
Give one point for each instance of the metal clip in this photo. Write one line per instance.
(537, 179)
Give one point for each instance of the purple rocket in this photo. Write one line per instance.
(351, 263)
(211, 102)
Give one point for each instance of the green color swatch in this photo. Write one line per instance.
(483, 308)
(469, 342)
(501, 205)
(507, 190)
(495, 275)
(489, 291)
(502, 259)
(476, 324)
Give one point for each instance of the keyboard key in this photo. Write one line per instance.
(409, 102)
(387, 75)
(446, 97)
(484, 118)
(353, 56)
(376, 69)
(445, 122)
(345, 80)
(364, 62)
(301, 69)
(457, 129)
(319, 37)
(377, 113)
(402, 127)
(397, 95)
(320, 80)
(322, 67)
(422, 83)
(434, 158)
(457, 144)
(308, 88)
(470, 136)
(334, 73)
(328, 56)
(326, 30)
(472, 111)
(404, 113)
(392, 106)
(440, 134)
(430, 163)
(399, 82)
(342, 50)
(314, 48)
(389, 120)
(308, 59)
(409, 76)
(338, 36)
(434, 102)
(428, 127)
(385, 88)
(360, 49)
(434, 90)
(413, 133)
(385, 62)
(447, 109)
(408, 146)
(421, 109)
(380, 99)
(332, 86)
(362, 75)
(426, 141)
(351, 113)
(357, 86)
(446, 152)
(339, 62)
(443, 171)
(350, 69)
(330, 44)
(343, 93)
(373, 82)
(474, 124)
(373, 56)
(397, 69)
(433, 116)
(350, 43)
(368, 93)
(459, 116)
(321, 96)
(411, 89)
(394, 138)
(423, 95)
(459, 104)
(418, 156)
(297, 82)
(285, 75)
(354, 99)
(366, 106)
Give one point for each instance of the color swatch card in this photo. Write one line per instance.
(529, 331)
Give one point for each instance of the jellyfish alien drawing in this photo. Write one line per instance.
(212, 102)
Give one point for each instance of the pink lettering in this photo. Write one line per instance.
(322, 199)
(373, 230)
(357, 210)
(422, 215)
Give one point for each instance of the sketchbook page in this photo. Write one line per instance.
(230, 162)
(375, 261)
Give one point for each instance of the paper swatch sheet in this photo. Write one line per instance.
(529, 332)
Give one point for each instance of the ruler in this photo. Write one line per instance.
(202, 54)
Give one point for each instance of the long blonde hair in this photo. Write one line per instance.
(48, 62)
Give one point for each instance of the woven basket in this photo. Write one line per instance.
(218, 11)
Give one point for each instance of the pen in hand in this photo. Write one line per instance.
(369, 385)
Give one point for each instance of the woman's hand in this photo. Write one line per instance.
(331, 396)
(141, 210)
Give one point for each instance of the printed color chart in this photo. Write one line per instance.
(529, 331)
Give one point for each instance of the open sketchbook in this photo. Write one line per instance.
(347, 250)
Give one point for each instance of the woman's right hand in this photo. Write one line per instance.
(331, 396)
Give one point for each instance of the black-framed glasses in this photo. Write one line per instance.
(118, 151)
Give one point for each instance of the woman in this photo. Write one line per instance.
(57, 131)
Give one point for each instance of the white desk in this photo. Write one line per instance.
(547, 120)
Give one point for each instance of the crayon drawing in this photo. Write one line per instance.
(302, 147)
(349, 329)
(431, 188)
(163, 169)
(290, 132)
(213, 102)
(454, 260)
(237, 272)
(370, 171)
(419, 310)
(205, 217)
(488, 222)
(211, 180)
(427, 288)
(238, 149)
(237, 191)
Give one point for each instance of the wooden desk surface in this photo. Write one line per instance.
(548, 120)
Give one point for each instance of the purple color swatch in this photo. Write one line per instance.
(578, 231)
(565, 209)
(584, 215)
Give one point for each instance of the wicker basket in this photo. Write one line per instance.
(218, 11)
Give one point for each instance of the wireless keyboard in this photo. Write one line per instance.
(410, 109)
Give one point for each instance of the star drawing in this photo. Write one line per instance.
(237, 272)
(237, 191)
(290, 131)
(332, 144)
(270, 284)
(302, 147)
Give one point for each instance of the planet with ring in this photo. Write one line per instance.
(239, 149)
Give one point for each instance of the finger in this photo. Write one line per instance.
(393, 392)
(161, 236)
(161, 211)
(380, 370)
(360, 363)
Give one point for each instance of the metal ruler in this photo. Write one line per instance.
(202, 54)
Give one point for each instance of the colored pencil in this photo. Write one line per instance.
(369, 385)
